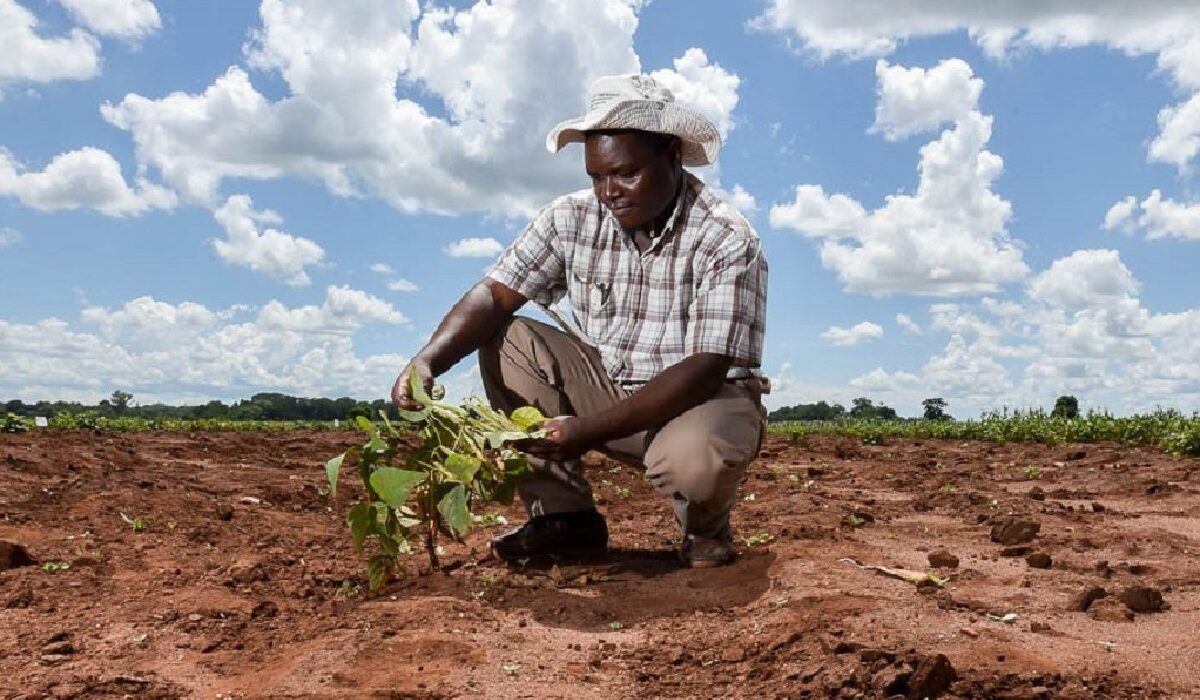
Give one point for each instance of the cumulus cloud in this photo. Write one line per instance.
(84, 178)
(474, 248)
(1160, 218)
(9, 236)
(382, 268)
(269, 251)
(1084, 279)
(910, 326)
(742, 200)
(949, 237)
(858, 333)
(190, 352)
(402, 285)
(1079, 329)
(127, 19)
(428, 109)
(913, 100)
(28, 55)
(1170, 31)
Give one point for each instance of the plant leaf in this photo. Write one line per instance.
(364, 425)
(461, 468)
(332, 468)
(497, 439)
(361, 518)
(416, 389)
(393, 485)
(453, 508)
(527, 417)
(379, 570)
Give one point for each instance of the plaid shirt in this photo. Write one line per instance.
(700, 287)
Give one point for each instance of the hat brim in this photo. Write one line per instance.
(699, 136)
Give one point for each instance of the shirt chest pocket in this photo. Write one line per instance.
(592, 298)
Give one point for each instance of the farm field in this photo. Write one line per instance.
(232, 574)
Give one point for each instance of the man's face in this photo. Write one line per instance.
(634, 176)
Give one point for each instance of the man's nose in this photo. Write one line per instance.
(608, 190)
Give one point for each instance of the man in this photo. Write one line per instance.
(667, 285)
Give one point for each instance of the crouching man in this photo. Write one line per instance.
(667, 286)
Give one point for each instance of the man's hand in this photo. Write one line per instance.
(400, 390)
(567, 437)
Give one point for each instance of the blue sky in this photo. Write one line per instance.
(207, 200)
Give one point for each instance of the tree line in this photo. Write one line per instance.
(863, 408)
(261, 406)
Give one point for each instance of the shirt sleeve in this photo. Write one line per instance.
(727, 315)
(534, 264)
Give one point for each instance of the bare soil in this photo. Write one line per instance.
(245, 583)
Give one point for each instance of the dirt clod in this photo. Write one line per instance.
(933, 676)
(1084, 599)
(1142, 599)
(1039, 560)
(13, 555)
(1014, 530)
(941, 559)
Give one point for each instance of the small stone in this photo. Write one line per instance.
(23, 598)
(933, 677)
(225, 512)
(1039, 560)
(1082, 601)
(1142, 599)
(264, 609)
(195, 617)
(1015, 530)
(1037, 493)
(941, 559)
(1097, 507)
(1038, 627)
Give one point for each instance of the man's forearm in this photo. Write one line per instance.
(477, 317)
(688, 383)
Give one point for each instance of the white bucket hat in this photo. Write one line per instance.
(639, 102)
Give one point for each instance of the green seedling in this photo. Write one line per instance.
(1032, 472)
(138, 523)
(463, 454)
(55, 567)
(616, 626)
(759, 539)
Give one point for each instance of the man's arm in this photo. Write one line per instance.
(689, 382)
(477, 317)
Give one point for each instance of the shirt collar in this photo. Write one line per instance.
(682, 199)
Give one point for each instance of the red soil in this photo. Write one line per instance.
(244, 585)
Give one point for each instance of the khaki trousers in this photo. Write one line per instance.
(696, 460)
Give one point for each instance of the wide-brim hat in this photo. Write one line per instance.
(639, 102)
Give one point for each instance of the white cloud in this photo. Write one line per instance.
(187, 351)
(402, 285)
(271, 252)
(909, 325)
(949, 238)
(1080, 329)
(741, 200)
(913, 100)
(9, 236)
(345, 310)
(29, 56)
(707, 88)
(1084, 279)
(858, 333)
(874, 28)
(1178, 139)
(474, 248)
(1161, 218)
(382, 268)
(88, 177)
(127, 19)
(426, 109)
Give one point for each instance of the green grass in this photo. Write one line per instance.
(1168, 429)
